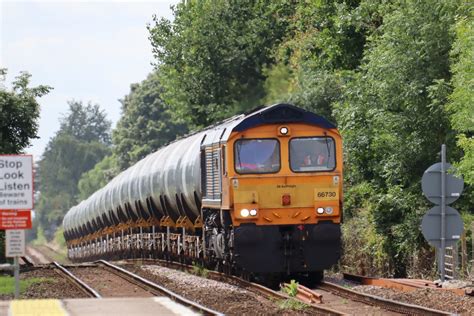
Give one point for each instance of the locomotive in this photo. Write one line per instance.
(258, 194)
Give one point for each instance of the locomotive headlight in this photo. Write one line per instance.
(284, 130)
(244, 212)
(253, 212)
(329, 210)
(320, 210)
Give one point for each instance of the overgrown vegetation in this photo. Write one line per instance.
(291, 288)
(397, 77)
(199, 270)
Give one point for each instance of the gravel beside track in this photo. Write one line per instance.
(108, 284)
(54, 286)
(226, 298)
(351, 307)
(442, 300)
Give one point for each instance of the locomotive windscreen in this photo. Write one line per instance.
(309, 154)
(257, 156)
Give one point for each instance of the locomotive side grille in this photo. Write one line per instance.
(212, 175)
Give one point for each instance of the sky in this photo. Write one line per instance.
(86, 50)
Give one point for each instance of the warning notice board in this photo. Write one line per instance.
(15, 243)
(15, 219)
(16, 182)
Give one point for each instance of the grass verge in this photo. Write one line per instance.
(7, 284)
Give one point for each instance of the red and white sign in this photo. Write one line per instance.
(16, 182)
(15, 219)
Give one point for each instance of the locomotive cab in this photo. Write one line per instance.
(281, 191)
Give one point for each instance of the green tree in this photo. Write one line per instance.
(19, 112)
(461, 105)
(96, 178)
(81, 142)
(86, 123)
(211, 56)
(323, 40)
(393, 120)
(146, 123)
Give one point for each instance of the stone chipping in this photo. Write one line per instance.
(223, 297)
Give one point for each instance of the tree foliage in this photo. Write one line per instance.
(211, 57)
(393, 118)
(78, 146)
(461, 103)
(86, 123)
(321, 43)
(96, 178)
(19, 112)
(146, 123)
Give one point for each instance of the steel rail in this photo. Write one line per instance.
(28, 261)
(387, 304)
(404, 285)
(86, 288)
(251, 286)
(164, 290)
(269, 293)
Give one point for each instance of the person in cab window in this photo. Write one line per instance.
(314, 159)
(321, 159)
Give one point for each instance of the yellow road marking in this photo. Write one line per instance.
(36, 308)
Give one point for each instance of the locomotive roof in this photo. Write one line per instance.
(280, 113)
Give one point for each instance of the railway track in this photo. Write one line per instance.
(336, 300)
(78, 282)
(326, 288)
(27, 261)
(104, 280)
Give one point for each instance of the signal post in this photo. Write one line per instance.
(16, 203)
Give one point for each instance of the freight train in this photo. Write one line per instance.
(259, 194)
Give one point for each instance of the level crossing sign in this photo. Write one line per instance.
(442, 225)
(13, 219)
(431, 184)
(16, 203)
(16, 182)
(431, 226)
(15, 243)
